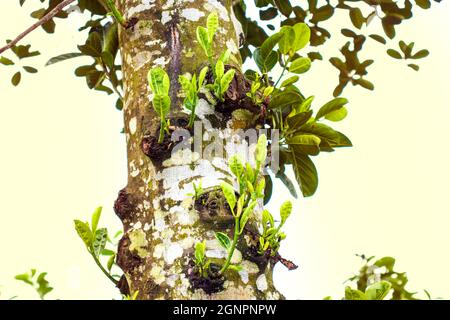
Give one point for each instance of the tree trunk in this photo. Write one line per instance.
(161, 222)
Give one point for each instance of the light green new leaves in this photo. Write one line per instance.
(95, 240)
(99, 243)
(261, 150)
(302, 36)
(40, 284)
(159, 81)
(161, 104)
(285, 211)
(205, 36)
(95, 218)
(376, 291)
(229, 194)
(84, 232)
(351, 294)
(203, 40)
(246, 215)
(236, 166)
(212, 24)
(200, 248)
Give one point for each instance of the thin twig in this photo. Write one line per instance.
(41, 21)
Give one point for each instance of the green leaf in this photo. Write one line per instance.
(357, 17)
(299, 119)
(300, 65)
(161, 104)
(284, 6)
(110, 262)
(265, 65)
(95, 219)
(286, 41)
(289, 81)
(220, 69)
(25, 277)
(326, 134)
(261, 149)
(15, 80)
(202, 76)
(5, 61)
(203, 40)
(159, 81)
(351, 294)
(414, 66)
(331, 106)
(84, 232)
(378, 291)
(226, 80)
(285, 98)
(421, 54)
(394, 54)
(378, 38)
(285, 211)
(30, 69)
(108, 59)
(302, 36)
(236, 166)
(387, 262)
(223, 239)
(212, 23)
(246, 215)
(337, 115)
(63, 57)
(43, 285)
(305, 173)
(305, 143)
(101, 235)
(200, 248)
(269, 44)
(229, 194)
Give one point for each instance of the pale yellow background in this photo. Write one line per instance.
(62, 155)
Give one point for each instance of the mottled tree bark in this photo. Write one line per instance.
(161, 222)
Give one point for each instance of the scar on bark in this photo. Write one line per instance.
(213, 207)
(127, 260)
(212, 283)
(158, 152)
(123, 286)
(123, 206)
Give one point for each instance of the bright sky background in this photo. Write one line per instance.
(63, 155)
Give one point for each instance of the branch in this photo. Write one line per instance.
(43, 20)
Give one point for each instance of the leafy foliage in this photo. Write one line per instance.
(20, 52)
(301, 135)
(271, 236)
(362, 16)
(160, 85)
(382, 269)
(191, 87)
(376, 291)
(95, 240)
(200, 260)
(37, 281)
(251, 189)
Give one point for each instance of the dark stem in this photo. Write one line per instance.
(41, 21)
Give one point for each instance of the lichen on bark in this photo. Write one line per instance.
(161, 223)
